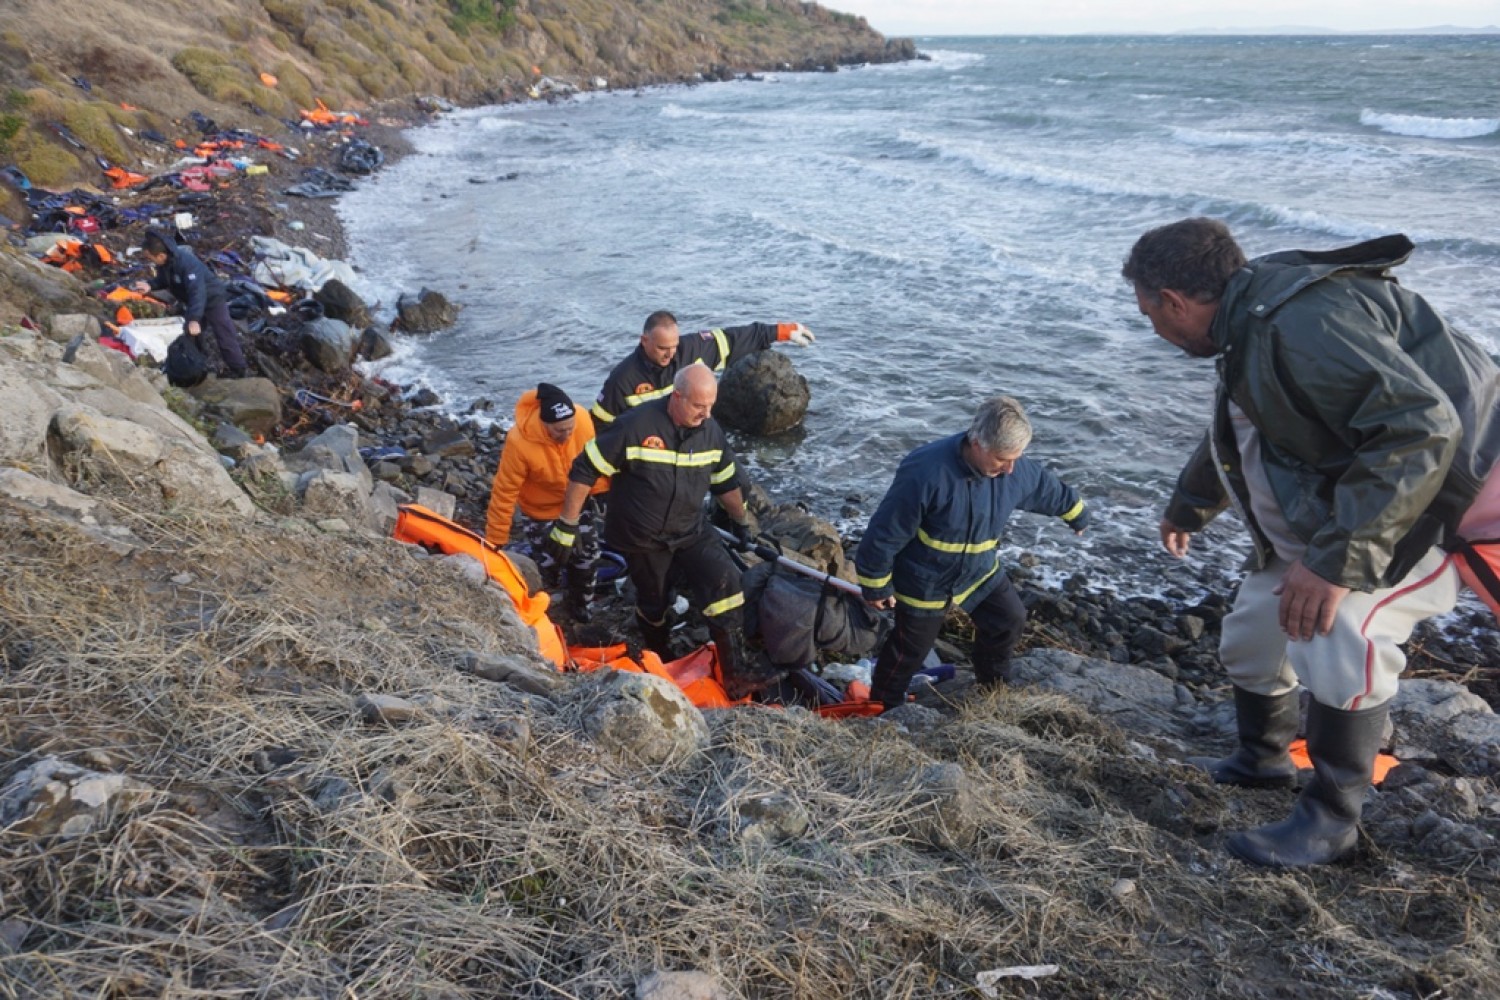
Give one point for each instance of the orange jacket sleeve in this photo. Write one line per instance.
(503, 493)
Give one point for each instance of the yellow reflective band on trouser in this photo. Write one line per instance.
(681, 459)
(723, 343)
(727, 604)
(958, 548)
(562, 537)
(917, 602)
(724, 475)
(1073, 511)
(592, 451)
(874, 583)
(600, 413)
(647, 397)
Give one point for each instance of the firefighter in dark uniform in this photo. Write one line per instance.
(934, 544)
(662, 457)
(647, 374)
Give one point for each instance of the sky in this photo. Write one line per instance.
(1010, 17)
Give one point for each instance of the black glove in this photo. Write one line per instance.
(1079, 522)
(560, 541)
(744, 538)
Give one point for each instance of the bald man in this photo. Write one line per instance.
(661, 458)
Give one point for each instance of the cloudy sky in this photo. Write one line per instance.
(977, 17)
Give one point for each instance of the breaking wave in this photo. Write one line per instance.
(1430, 128)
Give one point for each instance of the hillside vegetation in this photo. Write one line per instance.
(146, 62)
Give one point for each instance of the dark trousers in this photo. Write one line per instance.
(999, 619)
(226, 337)
(703, 564)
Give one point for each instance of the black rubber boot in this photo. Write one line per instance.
(1267, 725)
(1324, 824)
(744, 672)
(581, 589)
(656, 636)
(889, 685)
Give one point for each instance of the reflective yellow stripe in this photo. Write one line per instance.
(873, 584)
(1073, 511)
(917, 602)
(956, 547)
(600, 413)
(727, 604)
(562, 537)
(724, 475)
(647, 397)
(723, 343)
(605, 469)
(690, 460)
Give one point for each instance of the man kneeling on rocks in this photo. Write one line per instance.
(662, 457)
(549, 434)
(933, 544)
(1352, 430)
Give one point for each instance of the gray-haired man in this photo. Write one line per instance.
(934, 543)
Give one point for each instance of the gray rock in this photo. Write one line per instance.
(231, 441)
(772, 818)
(513, 671)
(121, 450)
(643, 718)
(65, 326)
(440, 503)
(762, 394)
(680, 986)
(375, 343)
(341, 303)
(335, 495)
(1153, 642)
(384, 504)
(386, 708)
(448, 442)
(426, 312)
(253, 404)
(39, 492)
(814, 539)
(13, 933)
(1133, 698)
(942, 807)
(337, 450)
(56, 799)
(329, 344)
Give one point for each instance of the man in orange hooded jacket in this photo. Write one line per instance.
(548, 435)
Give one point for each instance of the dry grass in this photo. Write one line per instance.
(490, 850)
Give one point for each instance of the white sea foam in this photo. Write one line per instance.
(1430, 128)
(495, 123)
(678, 111)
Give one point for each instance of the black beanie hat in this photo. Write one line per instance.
(556, 406)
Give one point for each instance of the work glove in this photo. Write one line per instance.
(1080, 521)
(559, 542)
(744, 538)
(795, 334)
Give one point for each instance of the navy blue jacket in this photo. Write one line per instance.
(192, 283)
(934, 540)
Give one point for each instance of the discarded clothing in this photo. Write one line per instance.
(359, 157)
(283, 266)
(319, 183)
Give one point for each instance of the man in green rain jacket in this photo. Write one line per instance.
(1352, 429)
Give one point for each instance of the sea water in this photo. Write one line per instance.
(949, 229)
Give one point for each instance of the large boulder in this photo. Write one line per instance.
(1133, 698)
(101, 448)
(813, 539)
(335, 495)
(425, 313)
(329, 344)
(762, 394)
(252, 404)
(341, 303)
(643, 719)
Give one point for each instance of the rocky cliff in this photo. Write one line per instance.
(80, 79)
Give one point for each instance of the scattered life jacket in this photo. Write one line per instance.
(1477, 547)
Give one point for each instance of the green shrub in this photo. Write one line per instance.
(212, 75)
(487, 15)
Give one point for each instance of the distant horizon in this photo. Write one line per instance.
(1283, 30)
